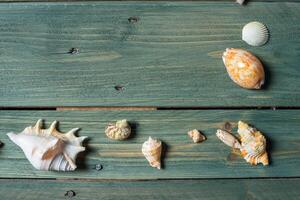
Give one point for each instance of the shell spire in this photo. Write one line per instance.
(49, 149)
(152, 151)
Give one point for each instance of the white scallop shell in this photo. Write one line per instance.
(49, 149)
(228, 139)
(118, 131)
(255, 34)
(152, 151)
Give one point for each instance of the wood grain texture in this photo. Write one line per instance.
(169, 57)
(235, 189)
(183, 159)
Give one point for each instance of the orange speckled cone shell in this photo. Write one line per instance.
(244, 68)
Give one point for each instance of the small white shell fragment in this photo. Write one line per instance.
(121, 130)
(240, 2)
(152, 151)
(196, 136)
(228, 139)
(255, 34)
(49, 149)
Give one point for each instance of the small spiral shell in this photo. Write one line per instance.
(121, 130)
(152, 151)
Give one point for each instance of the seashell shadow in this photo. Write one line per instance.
(270, 146)
(134, 125)
(164, 152)
(268, 76)
(81, 157)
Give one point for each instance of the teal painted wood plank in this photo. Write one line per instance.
(182, 158)
(169, 57)
(234, 189)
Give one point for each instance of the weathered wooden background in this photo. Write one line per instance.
(157, 64)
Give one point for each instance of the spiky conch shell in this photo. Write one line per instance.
(49, 149)
(152, 151)
(244, 68)
(196, 136)
(253, 145)
(121, 130)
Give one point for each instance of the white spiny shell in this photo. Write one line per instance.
(118, 131)
(255, 34)
(152, 151)
(240, 1)
(49, 149)
(228, 139)
(253, 144)
(196, 136)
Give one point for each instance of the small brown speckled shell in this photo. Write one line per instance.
(244, 68)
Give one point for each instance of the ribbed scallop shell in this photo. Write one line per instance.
(253, 144)
(244, 68)
(196, 136)
(228, 139)
(152, 151)
(118, 131)
(49, 149)
(255, 34)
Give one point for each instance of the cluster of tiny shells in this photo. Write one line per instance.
(252, 145)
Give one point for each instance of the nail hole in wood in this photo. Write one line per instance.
(73, 51)
(133, 19)
(119, 87)
(70, 194)
(98, 167)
